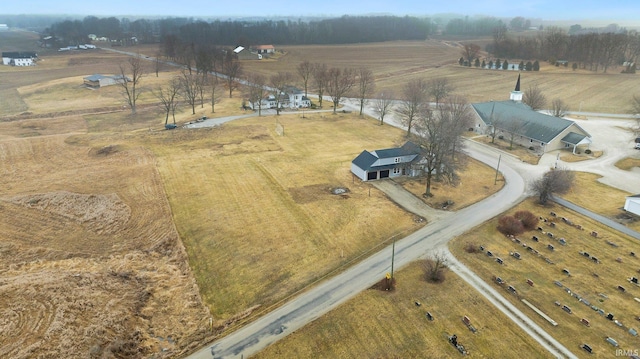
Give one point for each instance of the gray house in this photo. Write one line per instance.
(529, 128)
(386, 163)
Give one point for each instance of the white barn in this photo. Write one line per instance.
(632, 204)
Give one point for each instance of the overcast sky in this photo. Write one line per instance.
(544, 9)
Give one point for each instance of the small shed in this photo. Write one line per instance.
(632, 204)
(98, 80)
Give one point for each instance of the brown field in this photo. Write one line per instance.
(588, 279)
(628, 163)
(96, 202)
(378, 324)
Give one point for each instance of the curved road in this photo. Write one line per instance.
(329, 294)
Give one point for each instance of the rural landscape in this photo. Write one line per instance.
(159, 215)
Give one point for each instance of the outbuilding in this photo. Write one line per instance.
(632, 204)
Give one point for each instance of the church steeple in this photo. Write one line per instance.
(516, 95)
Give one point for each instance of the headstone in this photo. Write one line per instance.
(550, 234)
(535, 238)
(552, 224)
(594, 234)
(482, 248)
(612, 244)
(584, 321)
(553, 214)
(612, 341)
(417, 303)
(517, 255)
(499, 260)
(587, 348)
(566, 309)
(489, 254)
(602, 295)
(601, 311)
(621, 288)
(633, 254)
(548, 260)
(619, 260)
(511, 289)
(530, 282)
(517, 240)
(540, 229)
(558, 284)
(566, 271)
(466, 320)
(557, 303)
(595, 259)
(633, 332)
(585, 254)
(562, 241)
(609, 316)
(634, 280)
(499, 280)
(429, 316)
(550, 246)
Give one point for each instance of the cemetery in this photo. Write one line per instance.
(575, 277)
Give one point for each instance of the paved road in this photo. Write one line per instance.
(602, 219)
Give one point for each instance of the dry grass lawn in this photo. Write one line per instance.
(628, 163)
(255, 208)
(378, 324)
(477, 181)
(594, 282)
(597, 197)
(523, 153)
(580, 156)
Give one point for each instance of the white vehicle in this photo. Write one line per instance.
(89, 46)
(637, 147)
(82, 47)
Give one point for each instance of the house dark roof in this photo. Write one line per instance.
(634, 196)
(409, 148)
(364, 160)
(20, 55)
(573, 138)
(532, 124)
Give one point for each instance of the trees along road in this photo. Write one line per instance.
(430, 239)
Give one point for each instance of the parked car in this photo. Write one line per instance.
(637, 147)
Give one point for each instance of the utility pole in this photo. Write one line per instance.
(497, 168)
(393, 255)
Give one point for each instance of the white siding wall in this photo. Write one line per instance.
(358, 172)
(392, 160)
(632, 205)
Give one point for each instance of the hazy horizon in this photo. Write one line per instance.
(625, 11)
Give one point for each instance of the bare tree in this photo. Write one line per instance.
(231, 68)
(384, 104)
(130, 85)
(214, 86)
(439, 134)
(435, 267)
(439, 89)
(190, 88)
(305, 70)
(534, 97)
(157, 63)
(320, 76)
(558, 181)
(256, 90)
(280, 83)
(470, 52)
(414, 97)
(339, 83)
(366, 86)
(512, 127)
(559, 108)
(167, 97)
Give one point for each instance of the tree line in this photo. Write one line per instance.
(345, 29)
(594, 51)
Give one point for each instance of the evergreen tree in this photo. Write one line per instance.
(477, 63)
(484, 64)
(498, 64)
(490, 64)
(528, 66)
(505, 65)
(461, 61)
(521, 66)
(536, 66)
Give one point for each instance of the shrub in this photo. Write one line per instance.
(587, 151)
(531, 148)
(509, 225)
(471, 248)
(435, 269)
(529, 220)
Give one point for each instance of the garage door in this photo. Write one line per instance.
(372, 175)
(384, 174)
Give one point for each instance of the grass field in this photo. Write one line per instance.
(594, 282)
(378, 324)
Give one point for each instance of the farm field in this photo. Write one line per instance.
(188, 224)
(594, 281)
